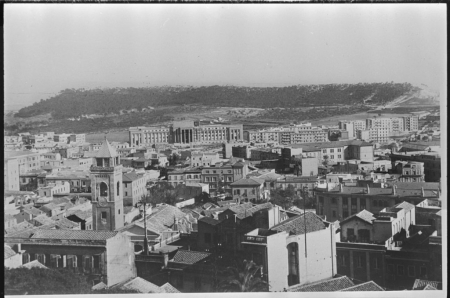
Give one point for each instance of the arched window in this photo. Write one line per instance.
(385, 203)
(103, 189)
(294, 276)
(118, 187)
(375, 203)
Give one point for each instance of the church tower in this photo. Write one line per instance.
(106, 186)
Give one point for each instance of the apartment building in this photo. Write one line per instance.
(342, 201)
(204, 159)
(51, 189)
(431, 161)
(134, 188)
(26, 160)
(11, 174)
(264, 154)
(411, 171)
(183, 176)
(221, 175)
(292, 134)
(79, 181)
(77, 138)
(62, 138)
(248, 190)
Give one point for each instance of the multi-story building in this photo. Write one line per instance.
(220, 176)
(11, 174)
(204, 159)
(183, 176)
(79, 181)
(52, 189)
(349, 127)
(62, 138)
(264, 154)
(411, 171)
(292, 134)
(239, 151)
(66, 151)
(248, 190)
(134, 188)
(186, 132)
(26, 160)
(343, 201)
(411, 123)
(432, 163)
(77, 138)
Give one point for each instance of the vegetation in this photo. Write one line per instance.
(40, 281)
(244, 279)
(285, 198)
(74, 103)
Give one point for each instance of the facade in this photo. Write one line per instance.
(248, 190)
(107, 195)
(11, 174)
(292, 134)
(204, 159)
(62, 138)
(54, 188)
(432, 164)
(105, 256)
(79, 181)
(344, 201)
(240, 151)
(77, 138)
(220, 176)
(411, 171)
(185, 132)
(134, 188)
(26, 160)
(263, 154)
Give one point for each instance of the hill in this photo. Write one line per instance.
(71, 103)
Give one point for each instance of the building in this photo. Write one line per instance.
(344, 201)
(105, 256)
(297, 251)
(67, 152)
(12, 259)
(264, 154)
(292, 134)
(134, 188)
(240, 151)
(432, 163)
(26, 160)
(11, 174)
(204, 159)
(185, 132)
(248, 190)
(77, 138)
(79, 181)
(107, 195)
(410, 171)
(349, 127)
(54, 188)
(221, 175)
(62, 138)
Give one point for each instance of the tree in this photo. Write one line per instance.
(244, 279)
(326, 160)
(283, 197)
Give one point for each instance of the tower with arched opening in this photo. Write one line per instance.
(107, 198)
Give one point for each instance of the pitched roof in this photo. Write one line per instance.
(420, 284)
(33, 264)
(9, 252)
(101, 285)
(209, 220)
(165, 215)
(429, 287)
(248, 181)
(405, 205)
(296, 225)
(142, 286)
(106, 151)
(130, 177)
(189, 257)
(74, 234)
(363, 215)
(65, 223)
(24, 225)
(329, 285)
(367, 286)
(168, 288)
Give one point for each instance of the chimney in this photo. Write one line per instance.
(368, 189)
(394, 189)
(423, 192)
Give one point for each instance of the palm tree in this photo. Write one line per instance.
(244, 279)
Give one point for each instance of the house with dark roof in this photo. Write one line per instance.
(294, 252)
(105, 256)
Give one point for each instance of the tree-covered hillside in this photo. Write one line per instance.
(74, 103)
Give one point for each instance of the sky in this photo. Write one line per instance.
(51, 47)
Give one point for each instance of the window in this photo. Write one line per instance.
(324, 151)
(423, 271)
(333, 201)
(350, 232)
(207, 238)
(103, 215)
(400, 270)
(331, 150)
(359, 261)
(119, 211)
(339, 150)
(334, 213)
(411, 271)
(331, 156)
(376, 263)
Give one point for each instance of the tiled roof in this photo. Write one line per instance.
(74, 234)
(363, 215)
(248, 182)
(420, 284)
(106, 151)
(65, 223)
(82, 214)
(429, 287)
(417, 185)
(9, 252)
(366, 287)
(142, 286)
(33, 264)
(241, 210)
(20, 227)
(43, 219)
(101, 285)
(8, 217)
(130, 177)
(329, 285)
(165, 215)
(189, 257)
(209, 220)
(385, 191)
(168, 288)
(296, 225)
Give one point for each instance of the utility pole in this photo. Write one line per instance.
(304, 216)
(143, 202)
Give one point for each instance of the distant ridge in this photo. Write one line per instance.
(74, 103)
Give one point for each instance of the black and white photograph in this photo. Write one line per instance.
(225, 148)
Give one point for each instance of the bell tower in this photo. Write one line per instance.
(106, 189)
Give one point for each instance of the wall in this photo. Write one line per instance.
(14, 261)
(277, 262)
(119, 259)
(11, 175)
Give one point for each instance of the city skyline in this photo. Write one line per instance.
(49, 48)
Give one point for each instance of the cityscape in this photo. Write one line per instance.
(342, 196)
